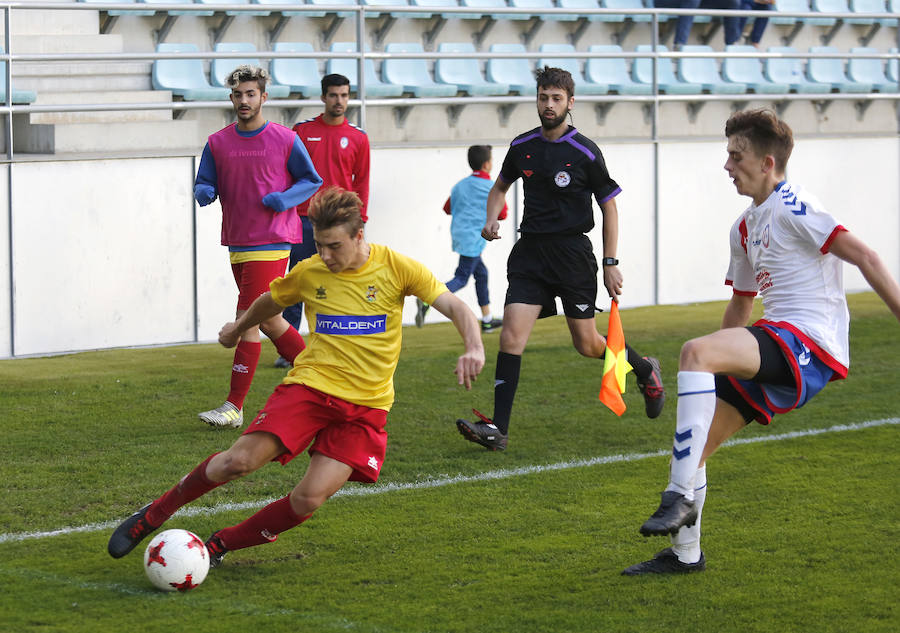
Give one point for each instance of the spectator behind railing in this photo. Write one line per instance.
(683, 27)
(760, 23)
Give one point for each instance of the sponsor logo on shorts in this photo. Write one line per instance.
(562, 179)
(350, 324)
(260, 418)
(373, 463)
(240, 368)
(583, 306)
(804, 357)
(268, 535)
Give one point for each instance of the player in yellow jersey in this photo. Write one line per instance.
(336, 398)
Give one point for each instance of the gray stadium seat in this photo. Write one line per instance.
(582, 85)
(870, 71)
(705, 71)
(221, 68)
(412, 74)
(612, 72)
(184, 77)
(518, 74)
(789, 70)
(301, 74)
(831, 71)
(465, 73)
(748, 71)
(348, 68)
(642, 72)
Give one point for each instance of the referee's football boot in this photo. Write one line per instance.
(226, 416)
(421, 311)
(216, 549)
(653, 390)
(130, 532)
(665, 562)
(483, 431)
(674, 512)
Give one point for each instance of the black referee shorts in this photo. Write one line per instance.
(543, 267)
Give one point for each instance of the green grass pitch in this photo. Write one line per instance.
(800, 533)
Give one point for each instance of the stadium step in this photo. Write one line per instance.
(60, 22)
(53, 43)
(85, 77)
(87, 138)
(108, 116)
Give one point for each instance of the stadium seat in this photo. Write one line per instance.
(348, 68)
(705, 71)
(582, 85)
(518, 74)
(340, 14)
(18, 96)
(465, 73)
(891, 69)
(789, 6)
(748, 71)
(235, 13)
(789, 71)
(623, 4)
(642, 73)
(281, 6)
(196, 13)
(581, 5)
(831, 71)
(868, 6)
(221, 68)
(299, 74)
(869, 71)
(388, 3)
(827, 6)
(612, 71)
(184, 77)
(412, 74)
(435, 6)
(538, 6)
(484, 6)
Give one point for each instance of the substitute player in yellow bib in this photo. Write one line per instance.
(336, 398)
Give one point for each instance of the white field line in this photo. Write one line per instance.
(448, 480)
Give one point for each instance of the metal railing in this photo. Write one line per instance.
(361, 12)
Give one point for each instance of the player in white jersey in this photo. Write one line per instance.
(788, 249)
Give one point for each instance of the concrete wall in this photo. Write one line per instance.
(103, 252)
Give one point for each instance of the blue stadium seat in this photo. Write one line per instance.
(867, 6)
(299, 74)
(412, 74)
(642, 73)
(235, 13)
(394, 3)
(789, 71)
(582, 85)
(282, 6)
(184, 77)
(827, 6)
(870, 71)
(789, 6)
(612, 71)
(486, 5)
(748, 71)
(538, 6)
(465, 73)
(435, 6)
(891, 69)
(518, 74)
(581, 5)
(623, 4)
(705, 71)
(831, 71)
(375, 88)
(221, 68)
(340, 14)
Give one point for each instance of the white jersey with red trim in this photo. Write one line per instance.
(779, 249)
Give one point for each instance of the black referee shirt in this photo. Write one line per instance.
(558, 178)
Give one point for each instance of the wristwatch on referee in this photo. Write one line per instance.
(610, 261)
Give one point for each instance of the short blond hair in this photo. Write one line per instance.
(246, 72)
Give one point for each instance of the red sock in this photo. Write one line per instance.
(246, 358)
(262, 527)
(289, 344)
(193, 485)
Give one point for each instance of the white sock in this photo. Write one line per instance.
(487, 318)
(695, 410)
(686, 542)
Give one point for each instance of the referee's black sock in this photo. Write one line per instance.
(642, 368)
(506, 380)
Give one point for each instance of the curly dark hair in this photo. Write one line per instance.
(548, 77)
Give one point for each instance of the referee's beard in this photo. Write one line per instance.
(552, 123)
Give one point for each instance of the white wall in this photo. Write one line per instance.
(103, 251)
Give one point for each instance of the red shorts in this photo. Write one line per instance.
(253, 279)
(350, 433)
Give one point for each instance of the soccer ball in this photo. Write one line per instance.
(176, 560)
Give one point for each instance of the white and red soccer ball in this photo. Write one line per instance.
(176, 560)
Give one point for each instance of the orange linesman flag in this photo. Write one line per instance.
(615, 364)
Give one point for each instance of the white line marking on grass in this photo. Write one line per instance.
(454, 479)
